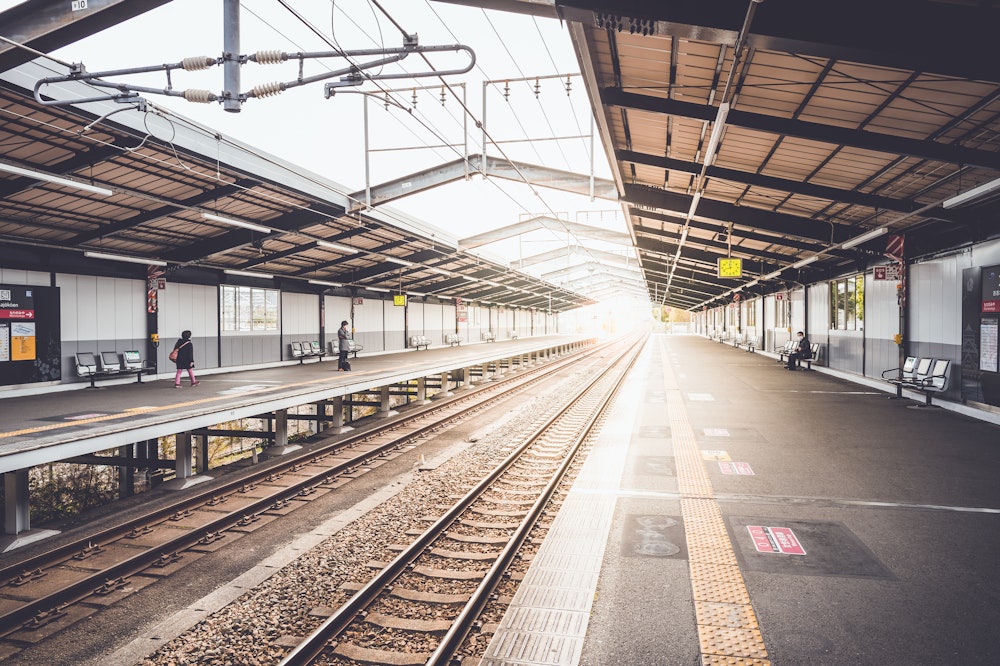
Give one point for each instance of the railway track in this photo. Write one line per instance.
(400, 616)
(44, 594)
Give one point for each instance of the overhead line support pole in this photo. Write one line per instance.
(231, 55)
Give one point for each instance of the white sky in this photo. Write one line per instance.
(326, 135)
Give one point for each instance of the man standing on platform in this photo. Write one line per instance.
(344, 346)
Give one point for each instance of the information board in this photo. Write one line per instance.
(988, 331)
(991, 289)
(30, 346)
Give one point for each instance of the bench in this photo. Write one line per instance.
(110, 366)
(452, 340)
(738, 340)
(419, 341)
(935, 382)
(316, 349)
(353, 348)
(489, 336)
(750, 343)
(813, 355)
(906, 373)
(513, 335)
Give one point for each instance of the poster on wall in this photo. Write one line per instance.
(30, 345)
(988, 330)
(991, 289)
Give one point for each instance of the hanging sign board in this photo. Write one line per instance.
(399, 300)
(731, 268)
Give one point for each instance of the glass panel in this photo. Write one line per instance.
(850, 303)
(859, 298)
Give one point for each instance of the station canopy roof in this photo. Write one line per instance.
(802, 138)
(798, 137)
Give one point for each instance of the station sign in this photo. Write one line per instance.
(888, 272)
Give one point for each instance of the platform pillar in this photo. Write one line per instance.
(445, 388)
(16, 507)
(184, 465)
(466, 378)
(338, 416)
(201, 453)
(126, 473)
(421, 390)
(384, 409)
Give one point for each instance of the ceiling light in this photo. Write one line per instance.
(972, 195)
(266, 276)
(864, 238)
(401, 262)
(803, 262)
(771, 276)
(435, 269)
(384, 291)
(236, 223)
(334, 246)
(119, 257)
(325, 284)
(58, 180)
(713, 140)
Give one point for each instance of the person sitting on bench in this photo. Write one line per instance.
(802, 349)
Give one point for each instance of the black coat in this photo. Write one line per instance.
(185, 354)
(804, 349)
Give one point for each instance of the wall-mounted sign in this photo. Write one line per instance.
(731, 267)
(991, 289)
(357, 300)
(888, 272)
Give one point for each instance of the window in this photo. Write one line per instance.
(781, 311)
(249, 309)
(847, 304)
(752, 313)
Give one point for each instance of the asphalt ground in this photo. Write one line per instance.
(894, 512)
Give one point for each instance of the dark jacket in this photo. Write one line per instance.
(185, 354)
(343, 339)
(804, 348)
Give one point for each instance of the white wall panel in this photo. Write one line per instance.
(369, 324)
(300, 316)
(338, 308)
(19, 277)
(986, 254)
(819, 309)
(394, 327)
(415, 317)
(936, 297)
(881, 308)
(796, 303)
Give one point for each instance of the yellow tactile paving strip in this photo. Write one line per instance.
(727, 625)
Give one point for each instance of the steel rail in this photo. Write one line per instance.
(315, 643)
(74, 592)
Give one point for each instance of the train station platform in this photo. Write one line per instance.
(735, 513)
(56, 425)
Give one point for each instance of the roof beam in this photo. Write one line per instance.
(778, 223)
(456, 170)
(862, 139)
(544, 222)
(835, 194)
(743, 232)
(47, 25)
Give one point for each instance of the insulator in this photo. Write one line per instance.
(414, 97)
(269, 57)
(199, 96)
(538, 88)
(506, 90)
(442, 96)
(267, 89)
(197, 63)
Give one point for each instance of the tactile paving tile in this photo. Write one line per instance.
(728, 632)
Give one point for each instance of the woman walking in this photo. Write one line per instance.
(183, 358)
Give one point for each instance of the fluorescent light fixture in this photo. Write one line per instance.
(236, 223)
(57, 180)
(807, 260)
(713, 140)
(771, 276)
(470, 278)
(417, 293)
(325, 284)
(435, 269)
(694, 204)
(119, 257)
(266, 276)
(401, 262)
(972, 195)
(384, 291)
(752, 283)
(864, 238)
(334, 246)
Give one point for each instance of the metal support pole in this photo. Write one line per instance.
(126, 473)
(16, 507)
(183, 467)
(385, 410)
(231, 54)
(368, 182)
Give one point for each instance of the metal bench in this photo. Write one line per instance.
(489, 336)
(936, 381)
(419, 341)
(813, 354)
(109, 366)
(905, 374)
(452, 340)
